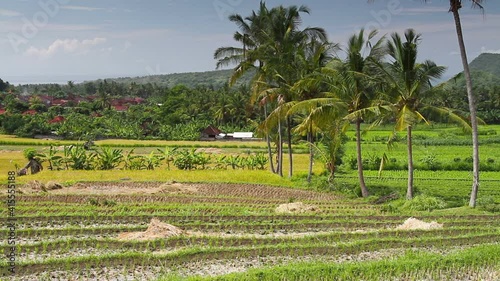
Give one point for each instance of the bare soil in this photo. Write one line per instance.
(278, 194)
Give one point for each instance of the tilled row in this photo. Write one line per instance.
(257, 228)
(71, 245)
(40, 221)
(132, 259)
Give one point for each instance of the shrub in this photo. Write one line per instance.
(352, 162)
(488, 204)
(424, 203)
(430, 162)
(371, 162)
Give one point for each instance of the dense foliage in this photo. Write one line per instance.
(486, 87)
(113, 110)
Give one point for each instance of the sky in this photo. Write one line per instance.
(62, 40)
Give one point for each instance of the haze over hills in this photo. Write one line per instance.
(486, 62)
(216, 79)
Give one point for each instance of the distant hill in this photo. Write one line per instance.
(488, 63)
(485, 70)
(216, 78)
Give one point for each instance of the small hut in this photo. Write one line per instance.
(210, 133)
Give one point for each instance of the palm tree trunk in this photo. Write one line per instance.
(409, 192)
(472, 106)
(280, 150)
(268, 140)
(311, 153)
(290, 152)
(364, 190)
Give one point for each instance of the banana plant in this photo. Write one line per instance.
(108, 159)
(260, 160)
(133, 162)
(77, 158)
(152, 161)
(54, 160)
(233, 161)
(167, 155)
(220, 162)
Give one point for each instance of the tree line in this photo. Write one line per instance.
(177, 113)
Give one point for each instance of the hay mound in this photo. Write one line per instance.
(156, 229)
(52, 185)
(296, 208)
(413, 223)
(36, 186)
(177, 188)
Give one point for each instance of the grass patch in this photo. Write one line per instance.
(224, 176)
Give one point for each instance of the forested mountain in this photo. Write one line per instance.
(215, 79)
(488, 63)
(485, 71)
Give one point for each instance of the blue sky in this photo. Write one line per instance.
(61, 40)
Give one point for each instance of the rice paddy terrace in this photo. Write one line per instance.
(82, 233)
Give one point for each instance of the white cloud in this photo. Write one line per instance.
(81, 8)
(490, 51)
(68, 46)
(9, 13)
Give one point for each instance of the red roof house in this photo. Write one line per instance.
(30, 112)
(210, 132)
(121, 108)
(57, 119)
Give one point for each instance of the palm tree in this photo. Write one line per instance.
(250, 35)
(355, 80)
(285, 52)
(311, 58)
(71, 87)
(270, 40)
(103, 100)
(455, 6)
(408, 84)
(322, 116)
